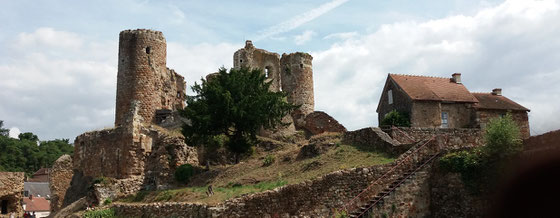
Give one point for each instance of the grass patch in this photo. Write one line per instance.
(107, 213)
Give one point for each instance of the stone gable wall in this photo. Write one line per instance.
(401, 101)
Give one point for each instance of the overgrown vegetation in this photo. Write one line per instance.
(235, 104)
(268, 160)
(106, 213)
(28, 154)
(184, 172)
(396, 118)
(481, 168)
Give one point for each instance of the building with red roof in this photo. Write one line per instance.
(40, 206)
(438, 102)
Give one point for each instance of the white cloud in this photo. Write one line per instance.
(14, 132)
(197, 61)
(304, 37)
(513, 46)
(299, 20)
(52, 77)
(344, 36)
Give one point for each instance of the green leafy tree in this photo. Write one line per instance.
(236, 104)
(396, 118)
(3, 132)
(28, 136)
(25, 155)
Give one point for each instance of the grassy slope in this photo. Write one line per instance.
(252, 176)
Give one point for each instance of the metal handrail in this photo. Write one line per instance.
(347, 207)
(395, 187)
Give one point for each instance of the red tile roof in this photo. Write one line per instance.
(433, 88)
(42, 171)
(491, 101)
(36, 204)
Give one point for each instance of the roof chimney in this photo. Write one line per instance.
(497, 91)
(456, 77)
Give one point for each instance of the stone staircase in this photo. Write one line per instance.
(365, 209)
(405, 167)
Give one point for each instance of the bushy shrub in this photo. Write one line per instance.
(502, 136)
(269, 160)
(184, 172)
(480, 168)
(396, 118)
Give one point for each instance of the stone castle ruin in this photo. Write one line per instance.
(292, 74)
(138, 151)
(144, 147)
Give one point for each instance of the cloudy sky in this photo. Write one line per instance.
(58, 59)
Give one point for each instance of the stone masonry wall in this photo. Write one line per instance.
(450, 198)
(59, 180)
(520, 117)
(297, 82)
(143, 76)
(425, 114)
(11, 189)
(411, 199)
(460, 115)
(447, 138)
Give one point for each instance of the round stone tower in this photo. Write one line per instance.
(297, 82)
(142, 57)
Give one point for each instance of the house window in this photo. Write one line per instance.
(390, 96)
(444, 120)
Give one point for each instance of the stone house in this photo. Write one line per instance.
(42, 175)
(438, 102)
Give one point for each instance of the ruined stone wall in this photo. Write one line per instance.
(459, 114)
(123, 153)
(425, 114)
(11, 189)
(143, 76)
(59, 181)
(319, 122)
(297, 82)
(447, 138)
(520, 117)
(109, 153)
(268, 62)
(375, 138)
(401, 101)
